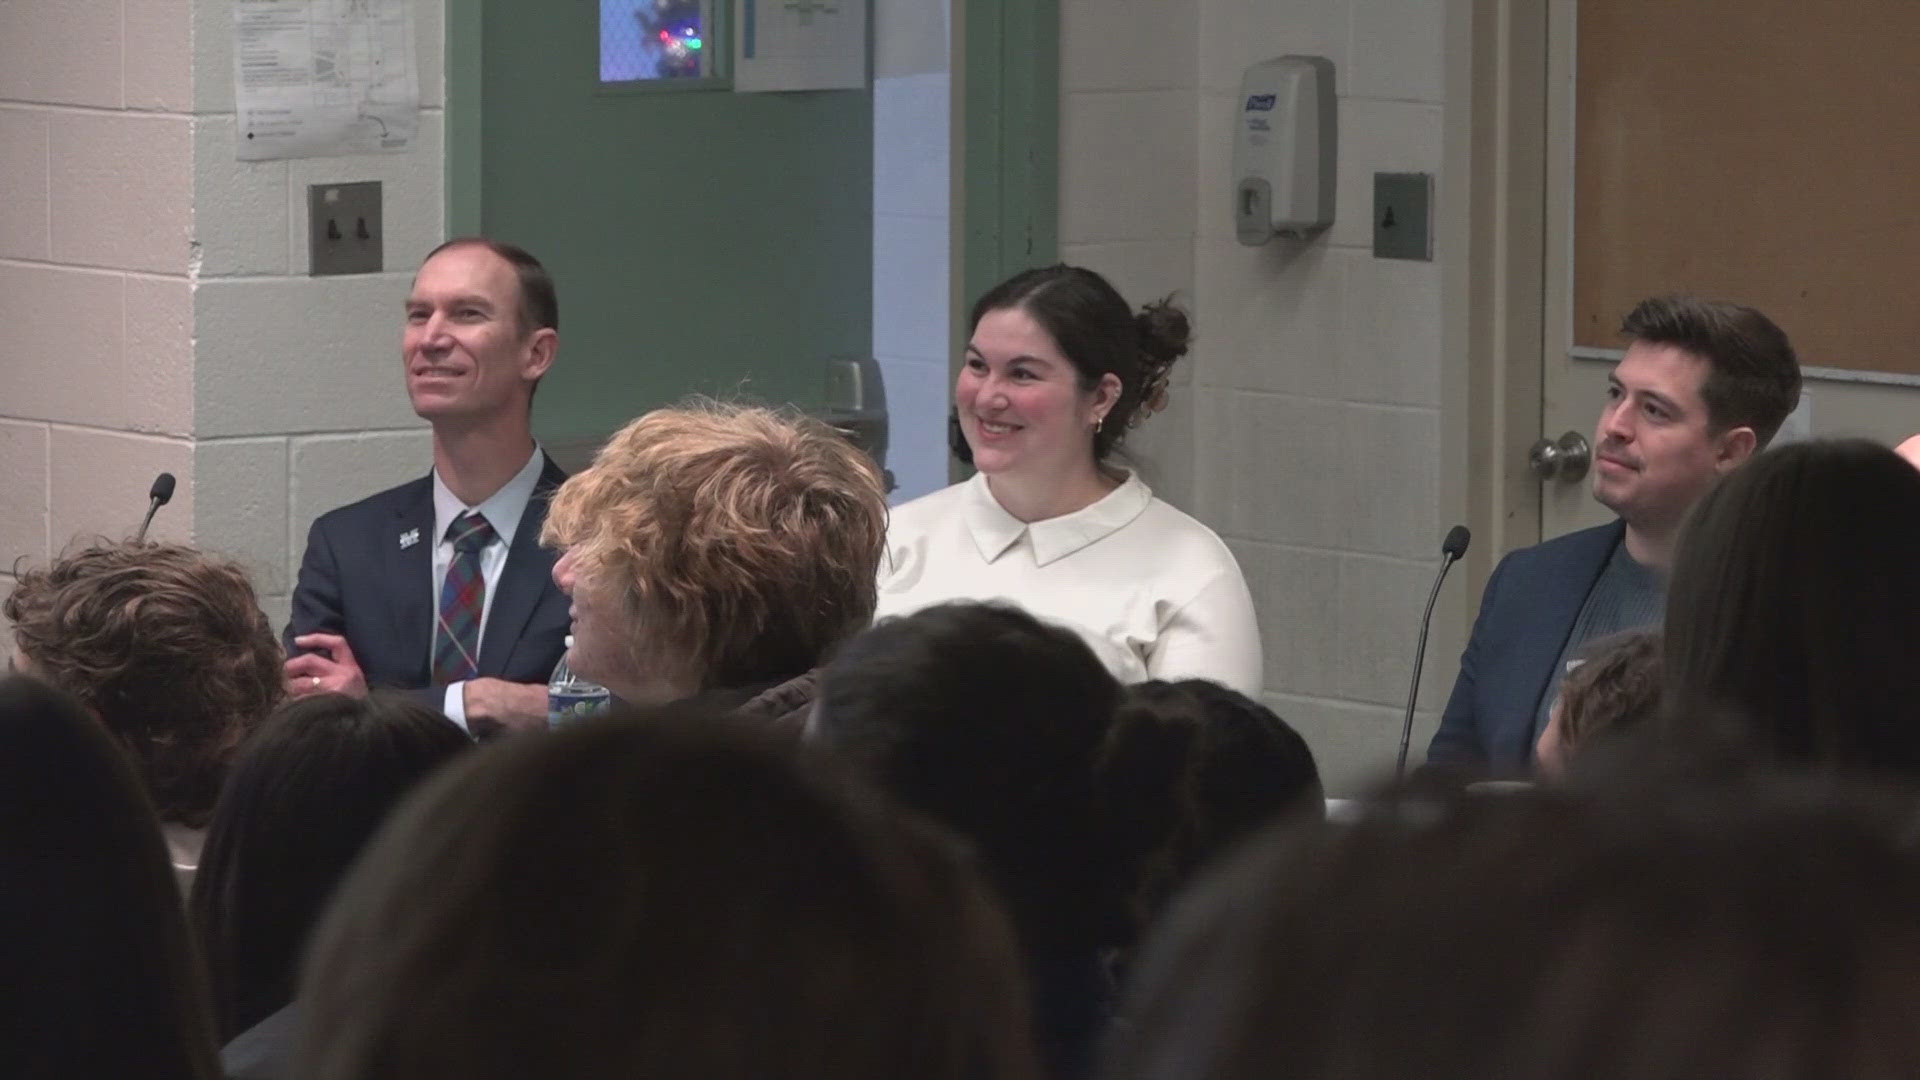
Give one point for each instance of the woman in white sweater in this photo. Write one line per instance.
(1058, 369)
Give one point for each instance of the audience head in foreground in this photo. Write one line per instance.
(1666, 936)
(104, 978)
(717, 548)
(659, 896)
(1234, 766)
(1791, 629)
(1001, 727)
(167, 646)
(1616, 687)
(306, 793)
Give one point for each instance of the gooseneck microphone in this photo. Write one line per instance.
(1454, 546)
(157, 497)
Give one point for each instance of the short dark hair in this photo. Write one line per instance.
(665, 893)
(168, 645)
(995, 725)
(1790, 624)
(305, 795)
(539, 300)
(1214, 765)
(107, 982)
(1767, 929)
(1100, 334)
(1753, 377)
(1616, 687)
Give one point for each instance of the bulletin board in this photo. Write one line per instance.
(1763, 151)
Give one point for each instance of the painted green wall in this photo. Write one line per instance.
(702, 241)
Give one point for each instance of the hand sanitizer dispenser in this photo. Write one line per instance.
(1285, 145)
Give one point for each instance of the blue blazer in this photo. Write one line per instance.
(1526, 615)
(357, 581)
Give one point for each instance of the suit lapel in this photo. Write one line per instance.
(410, 575)
(525, 578)
(1561, 601)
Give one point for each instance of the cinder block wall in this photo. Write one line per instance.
(155, 294)
(1306, 427)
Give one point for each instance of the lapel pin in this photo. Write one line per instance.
(409, 538)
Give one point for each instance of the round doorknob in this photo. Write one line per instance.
(1565, 458)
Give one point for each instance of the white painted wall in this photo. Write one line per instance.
(912, 197)
(1306, 425)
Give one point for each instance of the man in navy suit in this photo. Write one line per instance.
(440, 585)
(1703, 386)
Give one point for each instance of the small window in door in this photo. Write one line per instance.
(649, 40)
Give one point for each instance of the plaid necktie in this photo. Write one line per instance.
(463, 597)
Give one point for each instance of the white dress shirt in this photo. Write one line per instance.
(1156, 594)
(503, 510)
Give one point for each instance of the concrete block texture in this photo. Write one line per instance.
(1380, 136)
(1234, 34)
(1354, 745)
(1128, 44)
(1389, 480)
(154, 387)
(1397, 50)
(240, 505)
(1273, 317)
(292, 356)
(1271, 468)
(23, 493)
(241, 211)
(64, 330)
(122, 191)
(1126, 166)
(23, 177)
(411, 189)
(157, 61)
(1392, 332)
(100, 484)
(1142, 270)
(61, 53)
(1296, 593)
(328, 471)
(1380, 603)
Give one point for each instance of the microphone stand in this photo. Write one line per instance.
(1451, 549)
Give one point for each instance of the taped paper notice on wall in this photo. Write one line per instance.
(800, 45)
(320, 78)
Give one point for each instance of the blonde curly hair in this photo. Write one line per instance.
(743, 543)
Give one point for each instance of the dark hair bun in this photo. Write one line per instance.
(1165, 335)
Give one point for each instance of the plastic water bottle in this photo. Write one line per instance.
(570, 697)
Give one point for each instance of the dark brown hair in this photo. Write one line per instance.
(103, 976)
(305, 795)
(168, 646)
(657, 893)
(1616, 687)
(1100, 333)
(1790, 626)
(1753, 377)
(1768, 930)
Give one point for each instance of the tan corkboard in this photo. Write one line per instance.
(1765, 151)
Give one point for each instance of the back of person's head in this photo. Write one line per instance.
(307, 792)
(1205, 767)
(1753, 376)
(659, 895)
(1615, 688)
(996, 725)
(739, 545)
(1671, 933)
(92, 939)
(1790, 626)
(169, 648)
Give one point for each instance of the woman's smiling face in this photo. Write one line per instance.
(1020, 402)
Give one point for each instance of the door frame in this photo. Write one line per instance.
(1494, 223)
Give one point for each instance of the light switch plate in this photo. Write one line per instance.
(1403, 216)
(344, 228)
